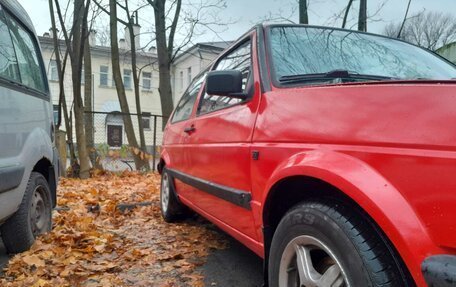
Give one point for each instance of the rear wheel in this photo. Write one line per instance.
(171, 208)
(327, 244)
(33, 217)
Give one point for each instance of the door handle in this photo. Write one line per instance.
(190, 129)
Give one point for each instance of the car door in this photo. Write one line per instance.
(175, 130)
(218, 146)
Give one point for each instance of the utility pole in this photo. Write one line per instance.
(362, 20)
(303, 16)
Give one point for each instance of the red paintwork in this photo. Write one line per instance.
(391, 147)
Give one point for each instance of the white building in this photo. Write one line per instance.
(189, 63)
(108, 124)
(448, 52)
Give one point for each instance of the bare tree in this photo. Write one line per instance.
(75, 42)
(62, 98)
(167, 15)
(347, 10)
(115, 59)
(430, 30)
(303, 15)
(405, 19)
(165, 49)
(132, 21)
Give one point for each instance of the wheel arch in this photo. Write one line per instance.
(45, 168)
(164, 161)
(329, 174)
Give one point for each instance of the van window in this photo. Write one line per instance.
(27, 56)
(8, 62)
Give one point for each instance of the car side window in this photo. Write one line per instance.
(8, 63)
(26, 50)
(184, 108)
(238, 59)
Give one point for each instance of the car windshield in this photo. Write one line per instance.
(310, 55)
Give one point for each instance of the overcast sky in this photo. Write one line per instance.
(245, 13)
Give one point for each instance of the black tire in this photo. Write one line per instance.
(344, 238)
(34, 216)
(171, 209)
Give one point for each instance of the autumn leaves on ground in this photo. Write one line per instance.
(93, 243)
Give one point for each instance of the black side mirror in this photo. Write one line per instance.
(225, 83)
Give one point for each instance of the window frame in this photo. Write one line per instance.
(52, 67)
(104, 73)
(148, 79)
(249, 86)
(272, 77)
(198, 95)
(129, 87)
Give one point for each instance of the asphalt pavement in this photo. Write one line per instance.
(236, 266)
(3, 256)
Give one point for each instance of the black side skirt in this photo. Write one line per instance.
(10, 177)
(238, 197)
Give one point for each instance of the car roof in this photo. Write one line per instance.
(19, 12)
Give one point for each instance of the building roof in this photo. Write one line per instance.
(96, 50)
(209, 47)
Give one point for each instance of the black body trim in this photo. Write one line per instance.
(9, 84)
(10, 177)
(235, 196)
(440, 270)
(265, 81)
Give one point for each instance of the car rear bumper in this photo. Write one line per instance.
(440, 270)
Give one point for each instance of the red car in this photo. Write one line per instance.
(330, 153)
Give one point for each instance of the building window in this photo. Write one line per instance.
(104, 75)
(53, 73)
(146, 123)
(189, 75)
(147, 80)
(181, 80)
(127, 79)
(55, 109)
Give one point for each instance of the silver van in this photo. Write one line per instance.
(28, 157)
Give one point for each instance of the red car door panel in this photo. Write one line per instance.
(219, 148)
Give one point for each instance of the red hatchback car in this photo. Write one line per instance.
(330, 153)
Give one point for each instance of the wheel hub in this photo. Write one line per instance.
(39, 215)
(306, 261)
(165, 192)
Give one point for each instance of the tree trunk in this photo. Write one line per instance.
(362, 19)
(79, 34)
(62, 99)
(405, 19)
(134, 70)
(347, 10)
(88, 115)
(164, 87)
(119, 84)
(303, 15)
